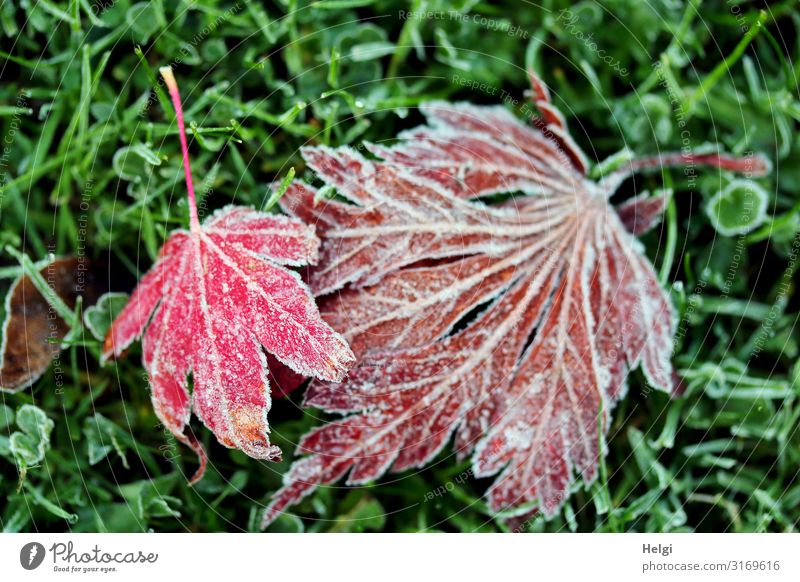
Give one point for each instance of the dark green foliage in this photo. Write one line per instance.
(91, 165)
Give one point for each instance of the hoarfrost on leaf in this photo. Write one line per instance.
(218, 295)
(509, 327)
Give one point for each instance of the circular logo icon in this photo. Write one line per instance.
(31, 555)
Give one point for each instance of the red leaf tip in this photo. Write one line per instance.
(169, 78)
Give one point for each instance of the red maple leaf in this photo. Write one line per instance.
(216, 297)
(510, 326)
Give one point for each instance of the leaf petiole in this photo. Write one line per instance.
(172, 86)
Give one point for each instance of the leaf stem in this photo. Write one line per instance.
(172, 86)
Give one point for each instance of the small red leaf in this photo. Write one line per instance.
(510, 327)
(217, 296)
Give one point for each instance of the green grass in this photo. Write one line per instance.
(91, 164)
